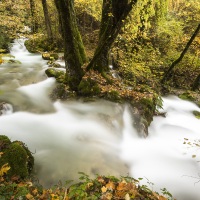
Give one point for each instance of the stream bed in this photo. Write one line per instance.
(68, 137)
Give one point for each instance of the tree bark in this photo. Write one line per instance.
(47, 20)
(168, 74)
(74, 52)
(196, 83)
(35, 25)
(113, 15)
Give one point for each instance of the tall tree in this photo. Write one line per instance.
(114, 12)
(74, 52)
(168, 73)
(47, 20)
(34, 17)
(113, 15)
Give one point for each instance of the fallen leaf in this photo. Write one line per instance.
(127, 197)
(4, 169)
(121, 186)
(29, 196)
(110, 185)
(35, 191)
(103, 189)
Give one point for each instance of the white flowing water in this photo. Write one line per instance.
(97, 137)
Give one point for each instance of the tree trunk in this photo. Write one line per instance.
(168, 74)
(196, 83)
(113, 15)
(35, 25)
(74, 52)
(47, 20)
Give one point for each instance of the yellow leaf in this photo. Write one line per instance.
(29, 196)
(108, 196)
(35, 192)
(4, 169)
(54, 197)
(127, 197)
(121, 186)
(110, 185)
(103, 189)
(89, 185)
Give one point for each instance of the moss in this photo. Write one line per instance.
(187, 96)
(18, 157)
(59, 75)
(50, 56)
(196, 114)
(113, 96)
(3, 51)
(4, 142)
(88, 87)
(15, 156)
(30, 158)
(12, 61)
(4, 41)
(42, 44)
(148, 107)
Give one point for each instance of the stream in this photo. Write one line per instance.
(68, 137)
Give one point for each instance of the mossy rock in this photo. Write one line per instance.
(58, 74)
(148, 107)
(196, 114)
(12, 61)
(88, 87)
(18, 157)
(187, 96)
(4, 142)
(50, 56)
(113, 96)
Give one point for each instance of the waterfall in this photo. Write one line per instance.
(97, 137)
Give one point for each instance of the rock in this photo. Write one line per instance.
(12, 61)
(18, 157)
(55, 65)
(5, 108)
(58, 74)
(50, 56)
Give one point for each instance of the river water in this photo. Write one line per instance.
(68, 137)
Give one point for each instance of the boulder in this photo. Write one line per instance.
(50, 56)
(17, 156)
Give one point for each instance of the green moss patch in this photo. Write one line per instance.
(40, 43)
(59, 75)
(196, 114)
(88, 87)
(18, 157)
(187, 96)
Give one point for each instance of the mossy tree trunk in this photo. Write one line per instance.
(114, 12)
(47, 20)
(74, 52)
(35, 24)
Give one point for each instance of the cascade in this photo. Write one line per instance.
(68, 137)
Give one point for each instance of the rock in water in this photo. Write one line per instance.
(5, 108)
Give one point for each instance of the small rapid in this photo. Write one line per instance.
(68, 137)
